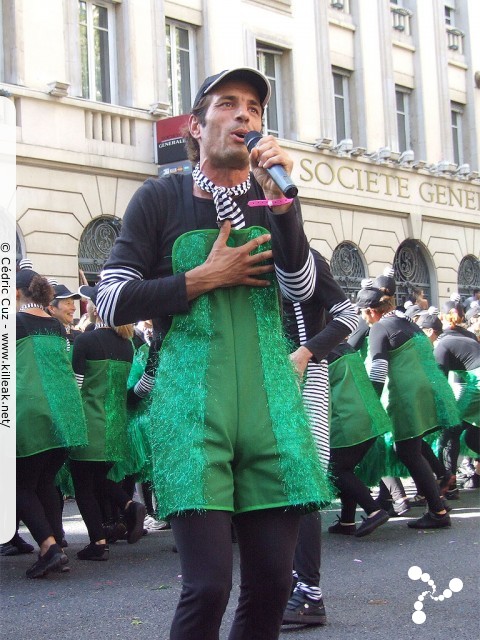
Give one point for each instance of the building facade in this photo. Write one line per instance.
(378, 102)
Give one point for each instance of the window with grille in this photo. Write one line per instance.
(95, 245)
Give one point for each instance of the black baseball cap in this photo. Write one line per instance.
(89, 292)
(24, 277)
(247, 74)
(427, 320)
(61, 293)
(369, 298)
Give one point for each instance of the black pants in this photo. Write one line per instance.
(37, 498)
(449, 447)
(435, 463)
(92, 489)
(266, 541)
(352, 490)
(410, 453)
(308, 552)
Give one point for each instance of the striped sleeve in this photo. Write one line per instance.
(144, 386)
(299, 285)
(79, 378)
(379, 371)
(111, 284)
(345, 313)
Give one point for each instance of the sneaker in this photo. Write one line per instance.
(50, 561)
(303, 610)
(345, 529)
(371, 523)
(134, 516)
(94, 552)
(431, 520)
(15, 547)
(473, 482)
(446, 483)
(155, 525)
(418, 501)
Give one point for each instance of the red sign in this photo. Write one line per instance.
(169, 141)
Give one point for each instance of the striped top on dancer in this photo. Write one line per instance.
(316, 326)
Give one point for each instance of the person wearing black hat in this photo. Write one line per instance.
(392, 496)
(419, 401)
(62, 307)
(101, 361)
(229, 428)
(46, 424)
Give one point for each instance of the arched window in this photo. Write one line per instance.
(348, 268)
(411, 270)
(95, 245)
(468, 275)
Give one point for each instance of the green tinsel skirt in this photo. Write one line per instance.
(228, 427)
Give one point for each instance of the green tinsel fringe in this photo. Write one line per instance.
(60, 389)
(64, 481)
(188, 353)
(289, 419)
(469, 401)
(117, 447)
(446, 405)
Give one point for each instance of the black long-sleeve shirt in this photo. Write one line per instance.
(457, 350)
(325, 319)
(137, 281)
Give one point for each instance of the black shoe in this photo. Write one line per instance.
(116, 531)
(15, 547)
(431, 520)
(371, 523)
(454, 494)
(50, 561)
(418, 501)
(64, 543)
(303, 610)
(134, 517)
(345, 529)
(94, 552)
(473, 482)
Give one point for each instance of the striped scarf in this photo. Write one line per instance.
(226, 208)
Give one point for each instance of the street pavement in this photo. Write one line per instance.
(366, 585)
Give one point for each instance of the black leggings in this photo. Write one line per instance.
(92, 489)
(352, 490)
(38, 505)
(308, 552)
(410, 453)
(449, 447)
(266, 541)
(435, 463)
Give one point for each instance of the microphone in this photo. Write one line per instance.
(277, 172)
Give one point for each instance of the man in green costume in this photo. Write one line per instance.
(229, 435)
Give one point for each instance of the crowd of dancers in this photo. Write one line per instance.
(259, 399)
(396, 396)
